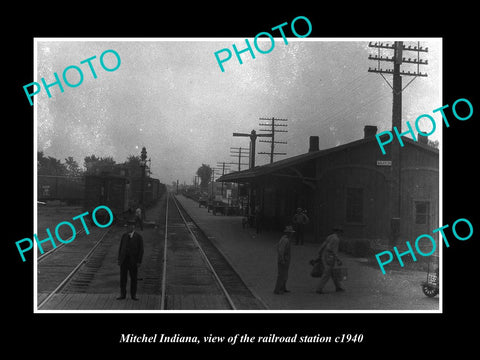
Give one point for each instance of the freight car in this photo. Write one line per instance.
(120, 193)
(64, 188)
(110, 190)
(152, 190)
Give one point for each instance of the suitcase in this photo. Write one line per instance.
(317, 270)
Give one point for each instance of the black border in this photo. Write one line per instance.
(407, 334)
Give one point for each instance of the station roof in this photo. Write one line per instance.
(249, 174)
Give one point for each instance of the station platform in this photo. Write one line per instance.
(254, 258)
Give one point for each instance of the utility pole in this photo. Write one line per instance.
(213, 179)
(397, 59)
(253, 138)
(272, 128)
(223, 170)
(240, 152)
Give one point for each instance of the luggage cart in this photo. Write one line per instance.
(430, 287)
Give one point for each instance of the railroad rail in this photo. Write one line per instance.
(181, 270)
(185, 284)
(42, 257)
(62, 268)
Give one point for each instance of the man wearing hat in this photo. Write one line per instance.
(283, 260)
(300, 219)
(329, 250)
(130, 254)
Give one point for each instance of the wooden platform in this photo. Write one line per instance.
(100, 302)
(145, 302)
(197, 302)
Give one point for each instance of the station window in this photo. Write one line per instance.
(421, 212)
(354, 205)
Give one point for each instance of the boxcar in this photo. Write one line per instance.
(110, 190)
(151, 190)
(64, 188)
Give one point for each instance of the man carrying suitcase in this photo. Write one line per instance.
(329, 250)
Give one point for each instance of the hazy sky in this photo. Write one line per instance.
(170, 96)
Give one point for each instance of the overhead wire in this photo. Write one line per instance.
(334, 112)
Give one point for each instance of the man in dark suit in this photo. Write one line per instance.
(130, 255)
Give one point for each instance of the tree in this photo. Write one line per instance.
(133, 166)
(89, 162)
(72, 167)
(92, 162)
(41, 161)
(49, 165)
(205, 173)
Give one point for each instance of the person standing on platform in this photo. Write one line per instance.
(139, 218)
(283, 260)
(300, 219)
(130, 254)
(329, 256)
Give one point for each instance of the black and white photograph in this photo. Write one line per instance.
(288, 180)
(237, 182)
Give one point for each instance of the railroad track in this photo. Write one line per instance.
(46, 254)
(196, 275)
(58, 273)
(182, 270)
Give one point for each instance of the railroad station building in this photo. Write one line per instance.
(371, 195)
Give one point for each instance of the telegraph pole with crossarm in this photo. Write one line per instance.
(272, 128)
(224, 166)
(239, 152)
(397, 59)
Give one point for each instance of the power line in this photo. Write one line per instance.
(239, 152)
(273, 129)
(346, 112)
(345, 88)
(335, 111)
(224, 165)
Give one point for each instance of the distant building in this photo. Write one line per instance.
(352, 185)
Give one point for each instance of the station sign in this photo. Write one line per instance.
(384, 162)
